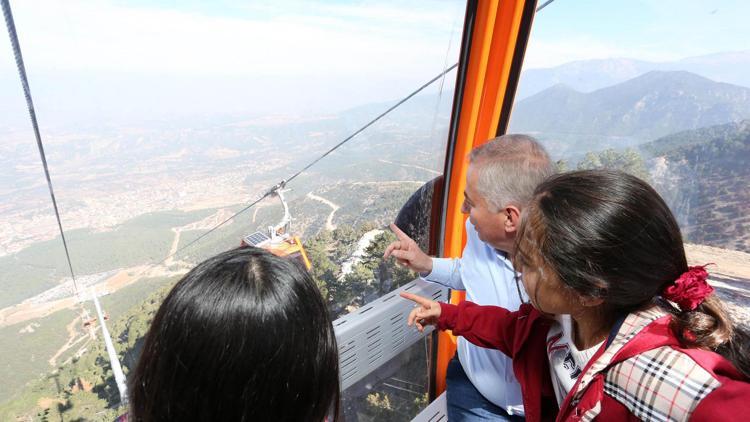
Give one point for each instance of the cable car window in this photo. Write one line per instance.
(662, 98)
(174, 132)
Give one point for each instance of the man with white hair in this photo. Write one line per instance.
(500, 181)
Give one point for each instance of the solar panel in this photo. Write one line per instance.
(256, 238)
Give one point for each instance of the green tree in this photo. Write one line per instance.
(346, 239)
(629, 161)
(323, 269)
(387, 275)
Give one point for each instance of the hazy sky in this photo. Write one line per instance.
(120, 61)
(652, 30)
(280, 57)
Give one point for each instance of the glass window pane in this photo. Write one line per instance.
(162, 121)
(630, 87)
(397, 391)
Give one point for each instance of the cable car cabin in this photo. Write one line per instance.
(283, 245)
(374, 341)
(378, 353)
(278, 239)
(91, 320)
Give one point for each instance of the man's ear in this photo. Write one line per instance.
(512, 218)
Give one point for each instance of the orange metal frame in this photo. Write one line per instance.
(493, 46)
(302, 251)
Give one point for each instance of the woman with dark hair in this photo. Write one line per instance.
(619, 326)
(244, 336)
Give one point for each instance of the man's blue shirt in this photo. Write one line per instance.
(488, 278)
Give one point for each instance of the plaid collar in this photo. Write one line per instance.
(633, 324)
(644, 371)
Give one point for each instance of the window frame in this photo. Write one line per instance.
(493, 46)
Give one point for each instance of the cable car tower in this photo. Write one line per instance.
(278, 238)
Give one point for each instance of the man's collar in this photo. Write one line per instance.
(504, 254)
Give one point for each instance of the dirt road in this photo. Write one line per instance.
(334, 208)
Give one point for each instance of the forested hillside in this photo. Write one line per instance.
(84, 385)
(703, 176)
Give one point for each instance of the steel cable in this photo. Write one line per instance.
(30, 103)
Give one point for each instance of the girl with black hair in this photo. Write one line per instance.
(619, 327)
(244, 336)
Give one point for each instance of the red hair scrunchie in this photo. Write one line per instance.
(690, 289)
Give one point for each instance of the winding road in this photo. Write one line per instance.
(334, 208)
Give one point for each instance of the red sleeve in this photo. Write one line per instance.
(486, 326)
(728, 402)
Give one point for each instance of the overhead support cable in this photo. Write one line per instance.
(114, 361)
(30, 103)
(545, 4)
(442, 83)
(373, 121)
(263, 196)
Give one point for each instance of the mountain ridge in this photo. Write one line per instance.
(648, 106)
(590, 75)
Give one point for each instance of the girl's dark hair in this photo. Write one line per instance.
(609, 235)
(244, 336)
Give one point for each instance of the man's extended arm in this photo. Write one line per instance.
(445, 271)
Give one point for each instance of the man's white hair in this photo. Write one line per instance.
(510, 167)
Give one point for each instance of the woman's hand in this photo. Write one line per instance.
(427, 312)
